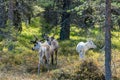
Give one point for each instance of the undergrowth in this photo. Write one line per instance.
(23, 61)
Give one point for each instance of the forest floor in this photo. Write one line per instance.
(21, 63)
(66, 69)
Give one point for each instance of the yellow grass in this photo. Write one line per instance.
(21, 63)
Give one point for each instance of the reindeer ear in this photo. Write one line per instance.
(52, 38)
(40, 40)
(45, 36)
(33, 42)
(89, 39)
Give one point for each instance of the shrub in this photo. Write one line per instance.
(89, 70)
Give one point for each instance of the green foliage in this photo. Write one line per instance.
(15, 49)
(37, 10)
(23, 59)
(46, 3)
(81, 18)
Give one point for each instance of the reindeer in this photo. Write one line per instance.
(55, 46)
(45, 51)
(83, 47)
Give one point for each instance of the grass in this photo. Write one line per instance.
(21, 62)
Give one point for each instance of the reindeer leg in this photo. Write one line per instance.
(38, 68)
(52, 59)
(56, 56)
(39, 65)
(48, 64)
(81, 54)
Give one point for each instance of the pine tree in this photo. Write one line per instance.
(108, 41)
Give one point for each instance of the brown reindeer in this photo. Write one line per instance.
(55, 46)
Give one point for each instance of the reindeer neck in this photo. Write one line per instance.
(87, 46)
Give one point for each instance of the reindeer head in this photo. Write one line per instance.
(37, 46)
(91, 44)
(36, 42)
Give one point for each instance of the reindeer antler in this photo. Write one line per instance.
(36, 38)
(34, 41)
(45, 36)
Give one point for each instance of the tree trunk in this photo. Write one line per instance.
(2, 15)
(10, 12)
(65, 24)
(108, 41)
(17, 22)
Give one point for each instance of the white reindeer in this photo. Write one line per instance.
(45, 51)
(83, 47)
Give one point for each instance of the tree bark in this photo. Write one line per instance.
(108, 41)
(65, 23)
(2, 15)
(10, 12)
(17, 22)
